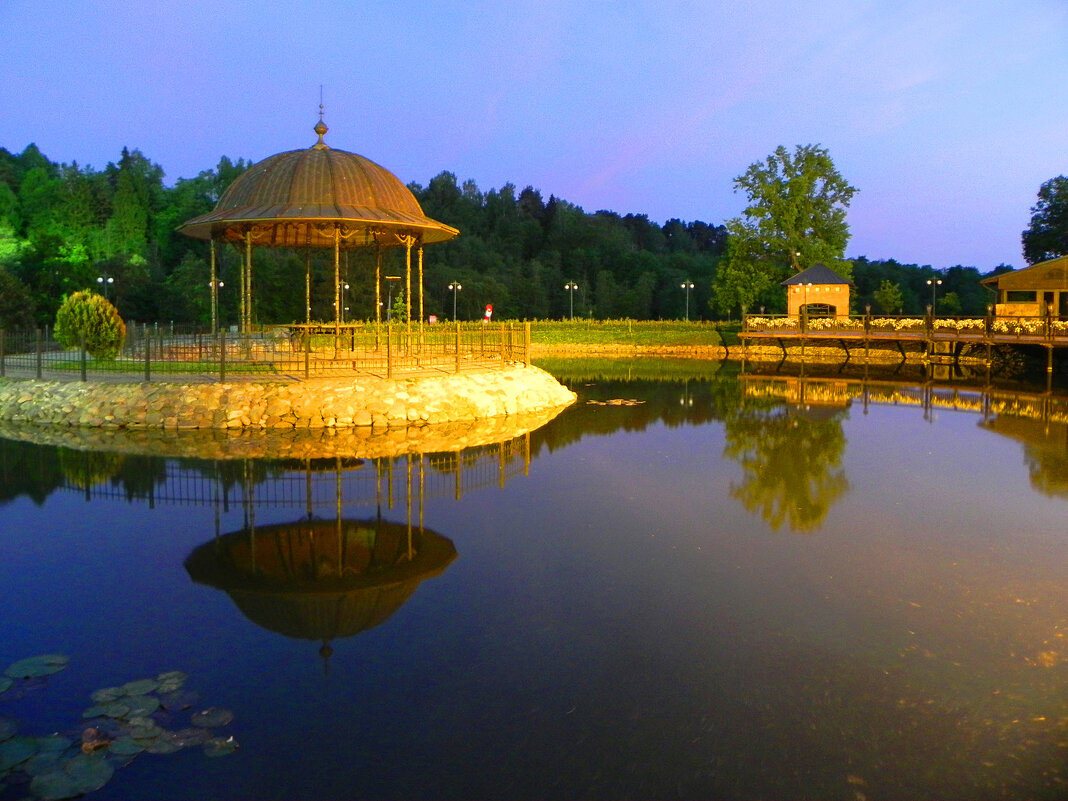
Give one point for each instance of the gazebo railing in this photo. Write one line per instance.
(291, 352)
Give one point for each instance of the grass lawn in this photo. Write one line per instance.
(664, 333)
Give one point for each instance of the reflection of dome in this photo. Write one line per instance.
(318, 579)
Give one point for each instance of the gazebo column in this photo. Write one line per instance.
(246, 323)
(408, 242)
(307, 287)
(337, 282)
(378, 291)
(214, 293)
(422, 317)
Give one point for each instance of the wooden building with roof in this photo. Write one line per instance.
(1037, 291)
(820, 291)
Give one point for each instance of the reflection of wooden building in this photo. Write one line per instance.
(1035, 291)
(321, 579)
(819, 290)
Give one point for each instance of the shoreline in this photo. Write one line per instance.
(315, 403)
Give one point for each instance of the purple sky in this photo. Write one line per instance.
(947, 115)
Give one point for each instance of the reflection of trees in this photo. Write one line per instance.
(28, 469)
(1048, 471)
(139, 476)
(1045, 444)
(686, 402)
(792, 463)
(85, 469)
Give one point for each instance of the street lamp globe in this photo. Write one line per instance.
(570, 287)
(455, 286)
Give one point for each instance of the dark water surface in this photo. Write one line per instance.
(699, 587)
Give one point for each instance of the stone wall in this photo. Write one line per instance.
(314, 403)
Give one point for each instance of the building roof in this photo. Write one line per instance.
(1050, 274)
(816, 274)
(298, 198)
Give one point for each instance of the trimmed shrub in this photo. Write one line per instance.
(92, 316)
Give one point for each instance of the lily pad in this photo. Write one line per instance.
(220, 746)
(55, 785)
(53, 743)
(211, 717)
(143, 729)
(114, 709)
(140, 687)
(192, 736)
(107, 694)
(40, 764)
(5, 684)
(166, 743)
(90, 771)
(8, 727)
(171, 681)
(44, 665)
(125, 746)
(15, 750)
(179, 699)
(141, 705)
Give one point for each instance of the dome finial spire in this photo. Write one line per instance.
(320, 126)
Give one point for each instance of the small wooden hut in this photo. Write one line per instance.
(819, 291)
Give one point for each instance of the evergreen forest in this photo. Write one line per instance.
(65, 228)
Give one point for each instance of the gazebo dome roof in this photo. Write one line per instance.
(298, 198)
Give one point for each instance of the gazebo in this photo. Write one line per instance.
(321, 198)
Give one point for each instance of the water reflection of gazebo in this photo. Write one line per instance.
(321, 579)
(318, 198)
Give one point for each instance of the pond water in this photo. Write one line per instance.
(702, 586)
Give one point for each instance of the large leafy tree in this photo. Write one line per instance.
(1047, 236)
(795, 217)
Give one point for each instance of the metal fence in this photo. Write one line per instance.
(295, 352)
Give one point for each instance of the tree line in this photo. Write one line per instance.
(65, 228)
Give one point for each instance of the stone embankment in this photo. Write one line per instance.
(365, 442)
(313, 403)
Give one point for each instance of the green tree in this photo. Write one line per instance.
(1047, 235)
(795, 217)
(747, 278)
(888, 297)
(16, 306)
(89, 317)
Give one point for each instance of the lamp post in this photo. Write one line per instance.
(215, 286)
(105, 281)
(687, 285)
(455, 286)
(389, 303)
(571, 286)
(934, 283)
(341, 311)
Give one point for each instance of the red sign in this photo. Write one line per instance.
(489, 311)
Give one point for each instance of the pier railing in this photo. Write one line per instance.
(1029, 330)
(293, 352)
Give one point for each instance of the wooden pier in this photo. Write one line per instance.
(939, 338)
